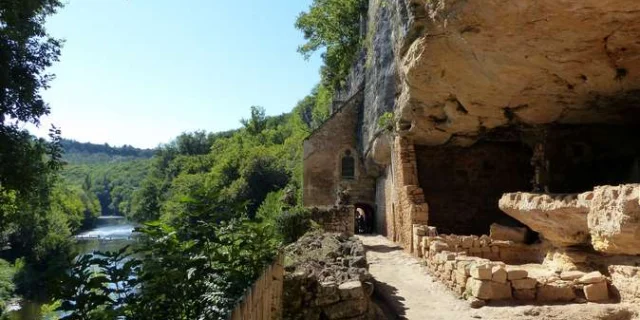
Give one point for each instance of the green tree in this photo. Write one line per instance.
(332, 25)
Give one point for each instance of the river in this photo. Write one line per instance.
(111, 233)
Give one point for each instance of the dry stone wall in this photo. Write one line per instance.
(469, 266)
(335, 219)
(327, 277)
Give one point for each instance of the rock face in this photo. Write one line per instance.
(614, 219)
(560, 219)
(480, 65)
(326, 277)
(608, 217)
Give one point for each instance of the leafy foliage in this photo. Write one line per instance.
(293, 224)
(332, 25)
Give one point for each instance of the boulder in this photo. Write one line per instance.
(560, 219)
(515, 234)
(597, 291)
(614, 219)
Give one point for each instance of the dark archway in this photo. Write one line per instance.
(364, 216)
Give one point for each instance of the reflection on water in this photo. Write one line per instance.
(111, 233)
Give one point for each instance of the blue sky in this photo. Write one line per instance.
(140, 72)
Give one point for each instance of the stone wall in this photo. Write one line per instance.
(400, 196)
(335, 219)
(327, 278)
(463, 185)
(263, 300)
(323, 151)
(474, 268)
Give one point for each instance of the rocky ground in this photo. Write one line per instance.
(402, 282)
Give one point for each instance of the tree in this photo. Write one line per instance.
(26, 50)
(333, 25)
(257, 122)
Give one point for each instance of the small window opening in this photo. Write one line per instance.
(348, 166)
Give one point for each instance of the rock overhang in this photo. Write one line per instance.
(481, 65)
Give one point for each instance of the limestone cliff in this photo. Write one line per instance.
(453, 70)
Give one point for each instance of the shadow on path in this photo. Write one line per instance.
(386, 297)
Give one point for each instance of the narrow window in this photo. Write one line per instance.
(348, 166)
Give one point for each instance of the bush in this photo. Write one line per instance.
(7, 286)
(293, 224)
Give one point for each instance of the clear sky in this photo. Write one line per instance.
(140, 72)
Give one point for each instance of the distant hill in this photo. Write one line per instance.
(87, 153)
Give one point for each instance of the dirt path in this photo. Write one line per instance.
(404, 285)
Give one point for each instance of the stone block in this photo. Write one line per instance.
(493, 256)
(488, 290)
(597, 291)
(523, 284)
(571, 275)
(555, 291)
(438, 246)
(351, 290)
(524, 294)
(516, 274)
(592, 277)
(515, 234)
(481, 272)
(461, 277)
(327, 294)
(499, 274)
(466, 242)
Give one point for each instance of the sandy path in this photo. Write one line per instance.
(404, 284)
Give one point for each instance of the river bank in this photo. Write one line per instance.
(110, 233)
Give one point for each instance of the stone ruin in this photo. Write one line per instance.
(513, 146)
(327, 277)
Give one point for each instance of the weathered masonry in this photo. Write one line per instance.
(516, 120)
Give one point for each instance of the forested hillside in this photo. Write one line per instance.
(108, 175)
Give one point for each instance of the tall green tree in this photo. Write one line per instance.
(333, 26)
(26, 50)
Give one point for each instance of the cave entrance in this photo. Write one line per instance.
(364, 216)
(462, 185)
(582, 157)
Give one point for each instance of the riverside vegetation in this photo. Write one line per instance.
(213, 207)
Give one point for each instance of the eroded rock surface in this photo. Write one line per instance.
(561, 219)
(480, 65)
(614, 219)
(607, 218)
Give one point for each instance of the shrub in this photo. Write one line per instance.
(293, 224)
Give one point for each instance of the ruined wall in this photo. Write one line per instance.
(335, 219)
(463, 185)
(399, 195)
(323, 151)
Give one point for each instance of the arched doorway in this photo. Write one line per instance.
(364, 216)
